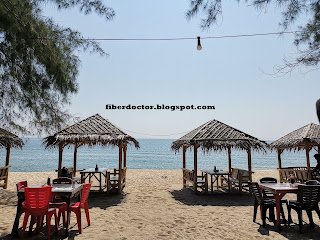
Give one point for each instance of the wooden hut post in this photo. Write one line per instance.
(120, 168)
(229, 158)
(195, 167)
(125, 155)
(279, 157)
(249, 164)
(308, 159)
(8, 155)
(184, 182)
(75, 159)
(60, 159)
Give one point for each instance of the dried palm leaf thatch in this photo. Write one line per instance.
(8, 139)
(297, 140)
(94, 130)
(217, 136)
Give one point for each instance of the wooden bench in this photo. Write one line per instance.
(300, 174)
(4, 172)
(188, 177)
(239, 178)
(113, 180)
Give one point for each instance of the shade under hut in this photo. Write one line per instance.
(304, 138)
(94, 130)
(217, 136)
(7, 141)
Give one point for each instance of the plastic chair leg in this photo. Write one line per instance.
(86, 209)
(300, 220)
(255, 209)
(25, 221)
(309, 213)
(77, 211)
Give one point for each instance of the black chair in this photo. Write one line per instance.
(269, 195)
(307, 199)
(264, 203)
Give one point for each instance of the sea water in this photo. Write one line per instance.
(152, 154)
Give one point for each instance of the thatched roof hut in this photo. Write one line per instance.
(217, 136)
(305, 137)
(94, 130)
(297, 139)
(8, 139)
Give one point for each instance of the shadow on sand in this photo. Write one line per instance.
(103, 200)
(188, 197)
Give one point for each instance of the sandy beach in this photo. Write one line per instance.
(154, 206)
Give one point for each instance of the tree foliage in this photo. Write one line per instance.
(38, 67)
(307, 37)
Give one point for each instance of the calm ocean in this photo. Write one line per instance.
(153, 154)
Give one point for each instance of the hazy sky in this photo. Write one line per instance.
(232, 74)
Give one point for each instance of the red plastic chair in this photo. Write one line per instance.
(76, 207)
(21, 186)
(37, 205)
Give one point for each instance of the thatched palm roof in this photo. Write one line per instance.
(297, 139)
(8, 139)
(91, 131)
(215, 135)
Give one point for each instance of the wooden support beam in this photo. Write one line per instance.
(195, 167)
(308, 159)
(8, 155)
(75, 159)
(229, 159)
(125, 156)
(120, 167)
(279, 157)
(184, 148)
(60, 159)
(249, 164)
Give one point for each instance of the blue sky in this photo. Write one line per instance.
(233, 74)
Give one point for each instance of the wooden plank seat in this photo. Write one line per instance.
(4, 171)
(188, 177)
(240, 179)
(300, 174)
(113, 181)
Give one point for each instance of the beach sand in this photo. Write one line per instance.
(154, 206)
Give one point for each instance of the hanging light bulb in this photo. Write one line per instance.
(199, 47)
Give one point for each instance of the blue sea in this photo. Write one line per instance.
(153, 154)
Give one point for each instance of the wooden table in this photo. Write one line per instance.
(92, 172)
(214, 175)
(65, 191)
(279, 190)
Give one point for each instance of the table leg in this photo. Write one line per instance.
(217, 178)
(67, 200)
(100, 182)
(211, 184)
(14, 231)
(278, 198)
(82, 178)
(228, 184)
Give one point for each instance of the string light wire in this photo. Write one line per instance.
(175, 39)
(187, 38)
